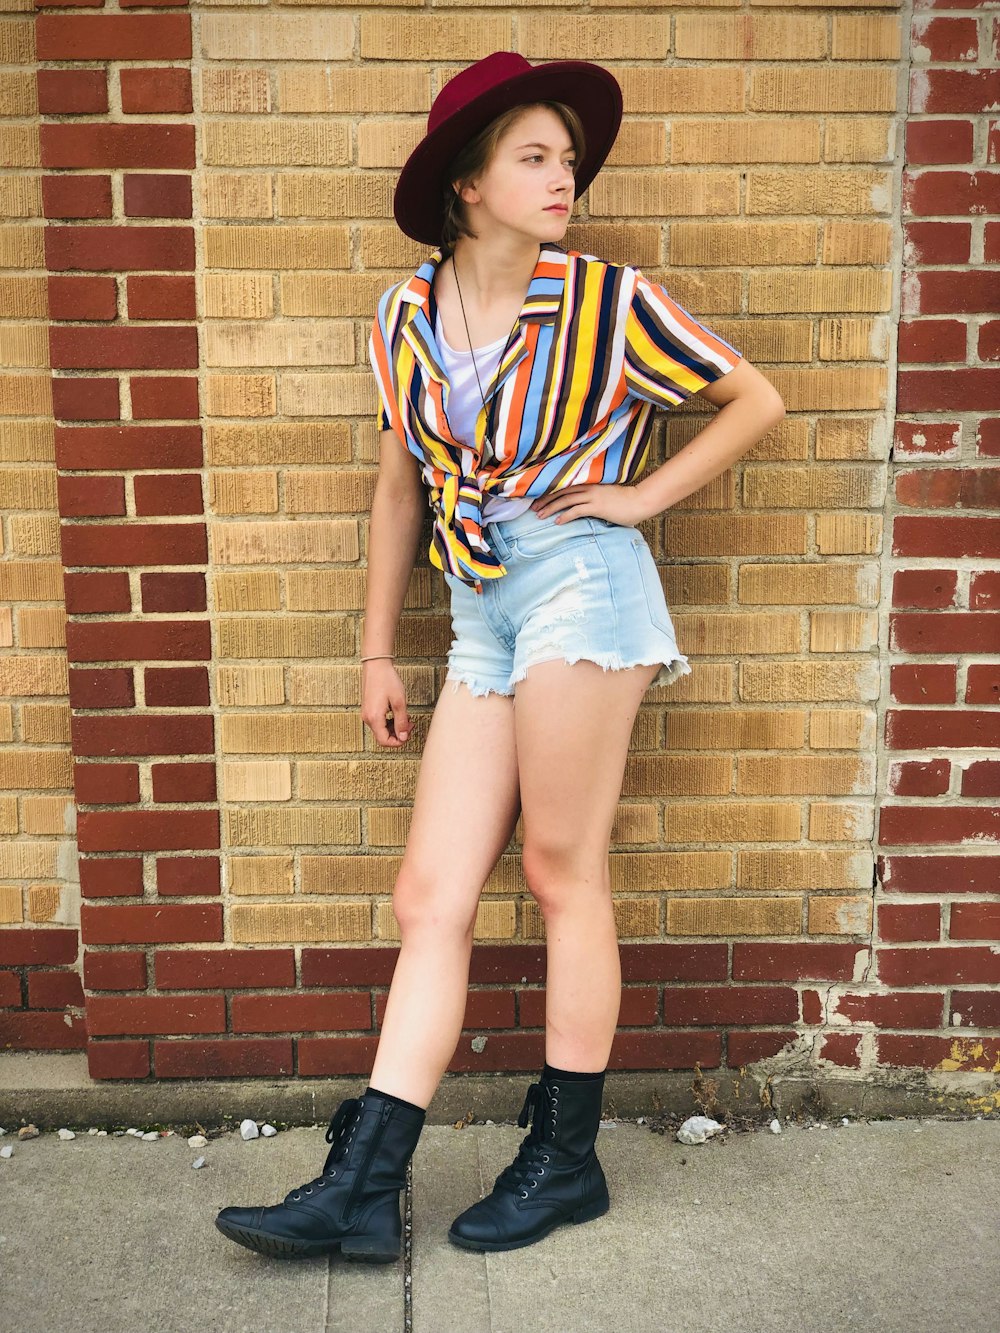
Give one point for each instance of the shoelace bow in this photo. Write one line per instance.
(347, 1114)
(531, 1154)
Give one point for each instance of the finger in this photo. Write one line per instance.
(401, 718)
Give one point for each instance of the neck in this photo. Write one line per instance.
(494, 271)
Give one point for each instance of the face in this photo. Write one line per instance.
(528, 187)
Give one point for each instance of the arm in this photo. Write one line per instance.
(749, 407)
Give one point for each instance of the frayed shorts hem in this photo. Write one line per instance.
(669, 672)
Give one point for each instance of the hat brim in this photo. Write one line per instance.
(592, 92)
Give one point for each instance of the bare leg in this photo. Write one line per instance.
(451, 849)
(573, 728)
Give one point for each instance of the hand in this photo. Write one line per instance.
(382, 691)
(618, 504)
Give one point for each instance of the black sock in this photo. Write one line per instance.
(390, 1097)
(550, 1073)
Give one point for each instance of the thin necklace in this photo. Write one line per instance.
(489, 415)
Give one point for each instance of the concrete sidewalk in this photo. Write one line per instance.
(890, 1227)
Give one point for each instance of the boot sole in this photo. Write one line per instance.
(359, 1249)
(586, 1214)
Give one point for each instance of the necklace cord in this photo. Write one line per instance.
(517, 319)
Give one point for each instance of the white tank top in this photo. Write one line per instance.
(465, 404)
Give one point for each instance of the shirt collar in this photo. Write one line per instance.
(543, 298)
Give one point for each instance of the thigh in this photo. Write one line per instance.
(573, 727)
(465, 805)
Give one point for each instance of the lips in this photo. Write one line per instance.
(557, 208)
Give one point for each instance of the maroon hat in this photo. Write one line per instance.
(473, 98)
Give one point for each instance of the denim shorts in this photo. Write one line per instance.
(584, 588)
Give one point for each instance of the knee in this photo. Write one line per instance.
(559, 875)
(419, 905)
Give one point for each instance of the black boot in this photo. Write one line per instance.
(555, 1177)
(354, 1203)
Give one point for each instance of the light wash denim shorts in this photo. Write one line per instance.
(585, 588)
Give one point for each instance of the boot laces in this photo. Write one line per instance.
(528, 1166)
(339, 1133)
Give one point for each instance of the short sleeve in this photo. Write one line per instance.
(669, 355)
(390, 418)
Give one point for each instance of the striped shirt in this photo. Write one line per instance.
(598, 348)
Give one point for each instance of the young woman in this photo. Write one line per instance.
(518, 381)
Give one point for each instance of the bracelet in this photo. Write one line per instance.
(375, 655)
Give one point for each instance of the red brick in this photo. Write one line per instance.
(952, 193)
(746, 1048)
(42, 1030)
(939, 966)
(982, 685)
(111, 877)
(90, 497)
(116, 146)
(364, 967)
(926, 588)
(136, 640)
(922, 682)
(920, 439)
(151, 923)
(67, 92)
(982, 778)
(145, 1015)
(154, 91)
(356, 1055)
(153, 297)
(991, 231)
(223, 1059)
(944, 488)
(223, 969)
(946, 39)
(188, 876)
(95, 448)
(924, 729)
(126, 345)
(116, 969)
(938, 242)
(930, 778)
(148, 830)
(76, 196)
(939, 142)
(176, 687)
(909, 922)
(697, 1006)
(106, 784)
(164, 397)
(975, 1009)
(329, 1012)
(944, 90)
(968, 390)
(25, 946)
(89, 399)
(89, 594)
(144, 733)
(113, 37)
(905, 1009)
(793, 962)
(148, 196)
(165, 494)
(975, 921)
(988, 341)
(932, 1052)
(928, 823)
(184, 783)
(940, 874)
(922, 340)
(173, 592)
(119, 248)
(984, 591)
(54, 990)
(113, 688)
(118, 1059)
(135, 544)
(943, 632)
(10, 990)
(82, 298)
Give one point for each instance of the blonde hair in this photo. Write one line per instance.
(477, 154)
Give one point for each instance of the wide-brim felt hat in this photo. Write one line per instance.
(473, 98)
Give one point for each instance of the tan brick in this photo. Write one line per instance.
(277, 36)
(44, 902)
(283, 343)
(17, 93)
(238, 296)
(329, 492)
(236, 195)
(853, 339)
(734, 916)
(696, 585)
(309, 923)
(635, 918)
(359, 780)
(234, 143)
(34, 534)
(26, 441)
(349, 874)
(735, 534)
(654, 872)
(21, 247)
(831, 389)
(851, 88)
(639, 142)
(742, 822)
(841, 821)
(329, 590)
(333, 293)
(734, 730)
(616, 241)
(664, 194)
(347, 91)
(842, 631)
(338, 685)
(276, 247)
(594, 36)
(260, 874)
(343, 194)
(753, 243)
(820, 290)
(257, 782)
(812, 869)
(6, 627)
(835, 915)
(247, 687)
(298, 826)
(848, 533)
(828, 682)
(279, 442)
(724, 634)
(871, 139)
(866, 37)
(23, 297)
(235, 90)
(819, 192)
(747, 37)
(8, 814)
(718, 493)
(681, 89)
(240, 395)
(802, 775)
(495, 921)
(850, 438)
(22, 345)
(290, 733)
(243, 492)
(841, 729)
(345, 394)
(282, 543)
(33, 675)
(35, 770)
(427, 37)
(805, 585)
(387, 143)
(17, 41)
(383, 246)
(846, 242)
(388, 826)
(45, 724)
(48, 814)
(706, 775)
(290, 636)
(19, 145)
(29, 860)
(745, 141)
(41, 627)
(258, 591)
(28, 488)
(11, 910)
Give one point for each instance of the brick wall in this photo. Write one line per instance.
(218, 190)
